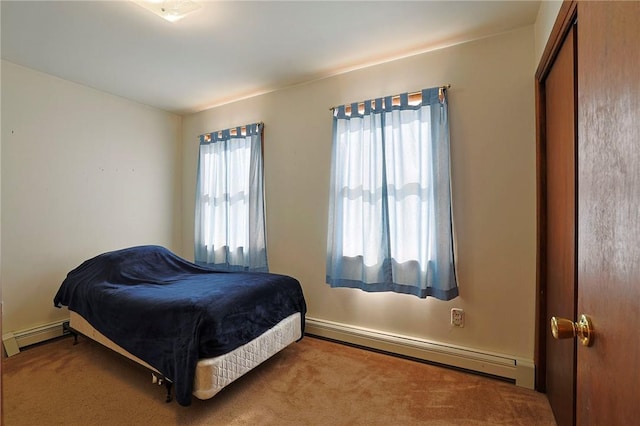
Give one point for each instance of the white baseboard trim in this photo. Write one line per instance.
(519, 370)
(13, 341)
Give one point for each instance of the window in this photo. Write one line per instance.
(229, 217)
(390, 216)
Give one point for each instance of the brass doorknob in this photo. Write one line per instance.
(563, 328)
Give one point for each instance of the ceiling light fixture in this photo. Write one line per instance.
(171, 10)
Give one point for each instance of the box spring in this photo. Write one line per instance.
(213, 374)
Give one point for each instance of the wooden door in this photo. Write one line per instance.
(608, 373)
(560, 230)
(607, 59)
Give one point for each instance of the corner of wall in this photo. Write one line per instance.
(547, 14)
(177, 189)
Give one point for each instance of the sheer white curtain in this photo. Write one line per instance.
(390, 216)
(229, 214)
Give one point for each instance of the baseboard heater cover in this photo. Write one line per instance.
(14, 341)
(521, 371)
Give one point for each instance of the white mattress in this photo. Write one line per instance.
(213, 374)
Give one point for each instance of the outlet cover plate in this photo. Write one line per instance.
(457, 317)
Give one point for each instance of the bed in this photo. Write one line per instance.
(196, 328)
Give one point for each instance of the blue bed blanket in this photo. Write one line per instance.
(170, 312)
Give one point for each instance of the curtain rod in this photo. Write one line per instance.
(416, 93)
(232, 130)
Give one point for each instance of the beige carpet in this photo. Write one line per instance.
(312, 382)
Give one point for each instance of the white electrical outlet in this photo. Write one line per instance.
(457, 317)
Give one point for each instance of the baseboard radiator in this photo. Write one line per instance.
(520, 371)
(14, 341)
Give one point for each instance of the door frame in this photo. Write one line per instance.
(566, 16)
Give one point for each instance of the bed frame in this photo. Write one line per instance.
(212, 374)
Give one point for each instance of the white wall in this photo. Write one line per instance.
(547, 15)
(82, 172)
(493, 155)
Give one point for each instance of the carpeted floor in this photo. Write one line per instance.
(312, 382)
